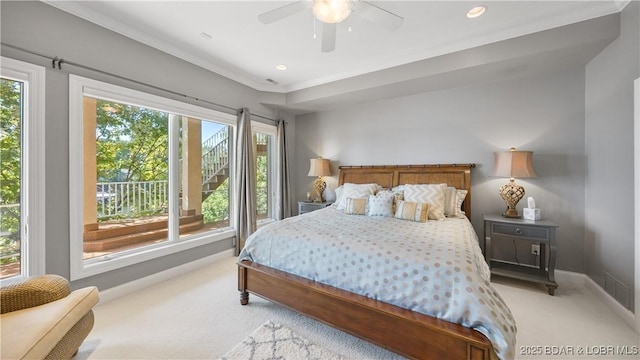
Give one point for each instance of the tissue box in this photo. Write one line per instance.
(531, 214)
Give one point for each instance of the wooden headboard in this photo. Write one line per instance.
(388, 176)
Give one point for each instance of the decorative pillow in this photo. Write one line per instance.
(399, 188)
(381, 204)
(396, 195)
(433, 194)
(460, 196)
(412, 211)
(356, 191)
(356, 206)
(453, 201)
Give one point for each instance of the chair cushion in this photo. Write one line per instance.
(33, 332)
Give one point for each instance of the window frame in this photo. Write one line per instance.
(33, 201)
(80, 87)
(271, 130)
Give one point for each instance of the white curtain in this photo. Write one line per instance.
(283, 209)
(245, 215)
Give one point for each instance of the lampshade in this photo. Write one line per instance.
(319, 167)
(513, 164)
(331, 11)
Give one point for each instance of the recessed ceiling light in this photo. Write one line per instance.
(281, 67)
(476, 11)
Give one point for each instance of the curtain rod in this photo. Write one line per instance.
(58, 62)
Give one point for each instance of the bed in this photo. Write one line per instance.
(396, 324)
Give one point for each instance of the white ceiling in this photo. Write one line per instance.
(245, 50)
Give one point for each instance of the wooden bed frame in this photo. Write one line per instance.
(402, 331)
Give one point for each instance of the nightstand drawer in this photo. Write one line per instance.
(536, 233)
(305, 207)
(309, 207)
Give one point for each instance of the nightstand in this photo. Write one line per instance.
(541, 232)
(307, 206)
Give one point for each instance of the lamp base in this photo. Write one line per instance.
(511, 213)
(319, 186)
(511, 193)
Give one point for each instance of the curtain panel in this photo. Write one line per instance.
(283, 209)
(245, 215)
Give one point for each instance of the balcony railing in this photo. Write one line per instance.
(9, 234)
(119, 200)
(216, 157)
(130, 199)
(261, 139)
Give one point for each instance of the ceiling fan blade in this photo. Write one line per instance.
(284, 11)
(328, 37)
(377, 15)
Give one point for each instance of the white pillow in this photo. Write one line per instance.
(397, 196)
(432, 194)
(338, 196)
(399, 188)
(355, 191)
(453, 202)
(381, 204)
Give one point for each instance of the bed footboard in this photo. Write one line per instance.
(411, 334)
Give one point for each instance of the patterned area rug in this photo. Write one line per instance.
(273, 341)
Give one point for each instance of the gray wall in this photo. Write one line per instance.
(609, 149)
(580, 155)
(542, 113)
(41, 28)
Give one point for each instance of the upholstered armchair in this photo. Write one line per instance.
(41, 318)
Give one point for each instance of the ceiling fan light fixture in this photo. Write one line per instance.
(332, 11)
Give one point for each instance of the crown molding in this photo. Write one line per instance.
(78, 9)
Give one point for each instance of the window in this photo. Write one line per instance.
(264, 150)
(154, 175)
(22, 200)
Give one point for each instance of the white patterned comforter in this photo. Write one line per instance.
(435, 268)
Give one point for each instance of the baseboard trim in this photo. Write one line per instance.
(113, 293)
(623, 313)
(136, 285)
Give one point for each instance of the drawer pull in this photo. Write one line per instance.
(519, 231)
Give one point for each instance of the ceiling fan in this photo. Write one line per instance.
(331, 12)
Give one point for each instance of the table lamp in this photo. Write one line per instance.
(319, 167)
(513, 164)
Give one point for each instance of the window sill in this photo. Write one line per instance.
(115, 261)
(264, 222)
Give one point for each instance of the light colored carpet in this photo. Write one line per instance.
(199, 316)
(276, 341)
